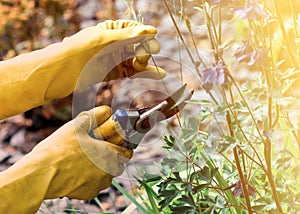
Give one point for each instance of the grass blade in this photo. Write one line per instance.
(127, 194)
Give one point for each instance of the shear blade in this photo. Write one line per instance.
(169, 106)
(175, 105)
(173, 98)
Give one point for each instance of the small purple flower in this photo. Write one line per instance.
(243, 53)
(250, 11)
(238, 191)
(259, 57)
(216, 74)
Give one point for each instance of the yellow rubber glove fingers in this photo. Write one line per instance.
(99, 160)
(59, 65)
(97, 37)
(67, 163)
(85, 44)
(110, 131)
(136, 66)
(105, 128)
(118, 24)
(139, 64)
(144, 51)
(150, 72)
(140, 52)
(101, 114)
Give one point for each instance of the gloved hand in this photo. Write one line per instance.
(67, 163)
(52, 72)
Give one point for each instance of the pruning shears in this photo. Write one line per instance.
(135, 123)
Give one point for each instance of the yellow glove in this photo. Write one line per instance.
(67, 163)
(32, 79)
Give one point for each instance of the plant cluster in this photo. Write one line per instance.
(241, 154)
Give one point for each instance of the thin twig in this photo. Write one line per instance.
(181, 37)
(248, 107)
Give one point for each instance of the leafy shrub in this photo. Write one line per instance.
(252, 163)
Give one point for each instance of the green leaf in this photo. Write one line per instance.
(204, 174)
(222, 182)
(152, 196)
(170, 162)
(168, 196)
(187, 187)
(177, 176)
(228, 144)
(199, 187)
(182, 210)
(193, 123)
(169, 141)
(288, 139)
(187, 133)
(220, 202)
(151, 177)
(221, 109)
(213, 172)
(167, 193)
(129, 196)
(188, 199)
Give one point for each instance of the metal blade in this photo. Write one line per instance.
(178, 106)
(172, 99)
(167, 108)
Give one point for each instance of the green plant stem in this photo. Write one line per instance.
(267, 153)
(284, 34)
(239, 125)
(220, 24)
(181, 37)
(98, 202)
(247, 106)
(219, 180)
(252, 159)
(223, 184)
(152, 196)
(276, 117)
(270, 112)
(239, 168)
(132, 199)
(210, 34)
(195, 45)
(186, 47)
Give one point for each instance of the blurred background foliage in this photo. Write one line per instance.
(26, 25)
